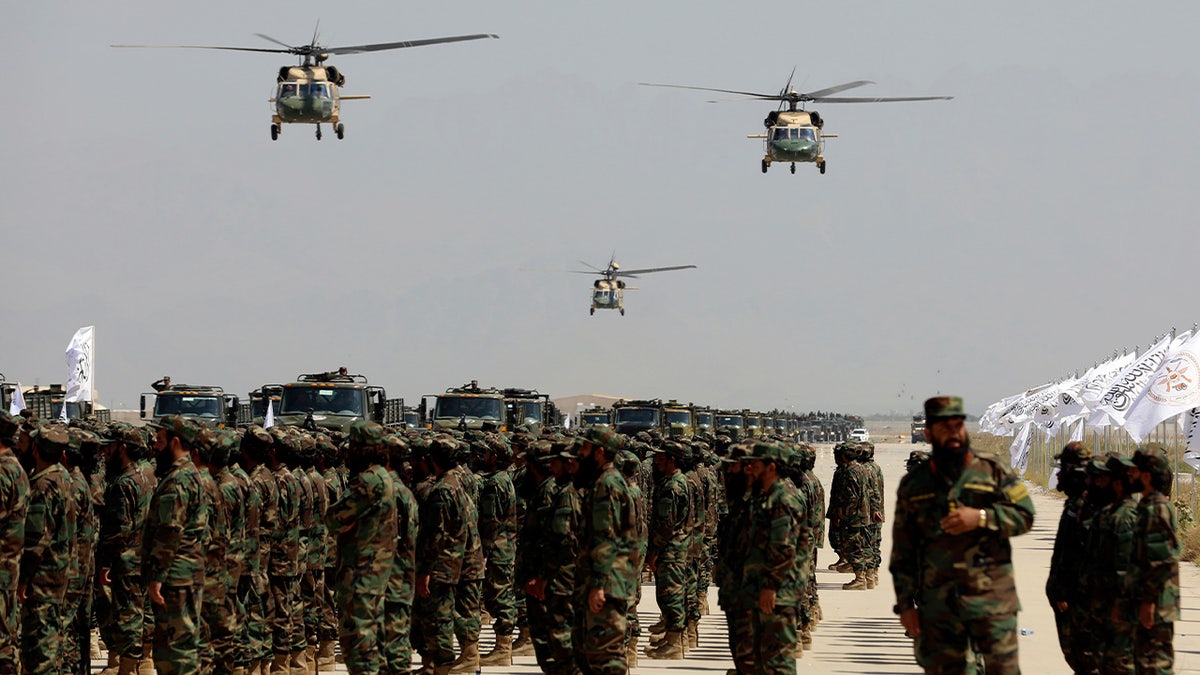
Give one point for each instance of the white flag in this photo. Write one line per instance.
(18, 402)
(1019, 450)
(1098, 379)
(1077, 432)
(270, 420)
(1127, 386)
(1191, 429)
(81, 365)
(1173, 389)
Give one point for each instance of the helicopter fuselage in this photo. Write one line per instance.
(608, 294)
(307, 95)
(794, 136)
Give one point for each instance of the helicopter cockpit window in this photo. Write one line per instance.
(316, 90)
(807, 134)
(287, 90)
(781, 134)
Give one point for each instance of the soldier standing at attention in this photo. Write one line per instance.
(1066, 563)
(1157, 562)
(364, 522)
(256, 452)
(14, 502)
(667, 553)
(395, 642)
(172, 553)
(951, 559)
(606, 576)
(498, 535)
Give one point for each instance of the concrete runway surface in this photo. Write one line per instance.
(859, 634)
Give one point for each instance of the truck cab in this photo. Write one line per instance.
(206, 405)
(468, 407)
(331, 401)
(630, 417)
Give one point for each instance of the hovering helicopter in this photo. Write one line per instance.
(797, 135)
(608, 292)
(308, 93)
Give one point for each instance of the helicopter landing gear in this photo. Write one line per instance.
(765, 164)
(821, 167)
(591, 311)
(622, 311)
(340, 130)
(793, 167)
(318, 132)
(274, 132)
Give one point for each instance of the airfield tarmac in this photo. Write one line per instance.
(861, 636)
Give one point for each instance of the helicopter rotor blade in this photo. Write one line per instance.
(630, 273)
(232, 49)
(591, 267)
(882, 100)
(836, 88)
(788, 87)
(268, 38)
(723, 91)
(381, 46)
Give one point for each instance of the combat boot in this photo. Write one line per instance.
(839, 563)
(859, 583)
(806, 636)
(146, 663)
(310, 659)
(501, 654)
(279, 666)
(95, 649)
(660, 627)
(467, 661)
(113, 666)
(873, 577)
(704, 605)
(693, 634)
(127, 665)
(844, 567)
(325, 655)
(670, 648)
(523, 645)
(443, 670)
(631, 654)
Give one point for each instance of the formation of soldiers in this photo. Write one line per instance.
(258, 550)
(1114, 573)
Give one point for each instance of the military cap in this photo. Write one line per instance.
(124, 433)
(1118, 464)
(605, 438)
(1074, 453)
(257, 437)
(1099, 467)
(540, 451)
(1152, 458)
(178, 426)
(52, 437)
(944, 407)
(8, 426)
(365, 432)
(768, 452)
(627, 463)
(679, 451)
(497, 444)
(444, 449)
(738, 452)
(224, 442)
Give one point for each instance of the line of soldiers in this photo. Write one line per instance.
(256, 550)
(1114, 573)
(856, 514)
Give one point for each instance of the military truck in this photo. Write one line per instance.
(7, 391)
(596, 417)
(527, 407)
(732, 419)
(918, 429)
(466, 407)
(331, 401)
(254, 410)
(203, 404)
(704, 419)
(679, 420)
(753, 428)
(630, 417)
(47, 403)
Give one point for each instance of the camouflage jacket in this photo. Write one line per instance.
(216, 539)
(364, 522)
(969, 575)
(176, 526)
(335, 487)
(49, 534)
(560, 543)
(404, 563)
(285, 549)
(608, 539)
(1110, 548)
(126, 502)
(643, 532)
(1157, 556)
(443, 533)
(535, 531)
(815, 494)
(235, 499)
(671, 518)
(317, 550)
(733, 541)
(1068, 559)
(697, 525)
(251, 547)
(14, 503)
(472, 567)
(498, 519)
(875, 490)
(850, 503)
(268, 517)
(307, 513)
(779, 550)
(87, 531)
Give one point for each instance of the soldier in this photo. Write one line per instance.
(285, 610)
(441, 546)
(1157, 561)
(850, 506)
(233, 503)
(327, 633)
(498, 535)
(814, 497)
(468, 597)
(875, 500)
(396, 649)
(172, 553)
(629, 465)
(312, 582)
(1071, 611)
(257, 450)
(48, 552)
(216, 548)
(80, 461)
(1110, 546)
(605, 577)
(14, 503)
(364, 521)
(951, 560)
(836, 491)
(734, 543)
(667, 553)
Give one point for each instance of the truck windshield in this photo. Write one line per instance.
(527, 412)
(637, 415)
(323, 401)
(679, 417)
(729, 421)
(595, 418)
(188, 406)
(477, 408)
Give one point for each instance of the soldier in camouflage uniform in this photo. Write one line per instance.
(335, 487)
(814, 494)
(951, 560)
(851, 507)
(1157, 562)
(498, 534)
(836, 490)
(285, 613)
(606, 578)
(257, 450)
(468, 597)
(441, 547)
(215, 545)
(396, 630)
(1111, 549)
(48, 552)
(875, 529)
(364, 521)
(1071, 611)
(667, 553)
(733, 538)
(172, 553)
(80, 461)
(14, 503)
(234, 501)
(312, 578)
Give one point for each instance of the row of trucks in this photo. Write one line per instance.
(675, 419)
(47, 402)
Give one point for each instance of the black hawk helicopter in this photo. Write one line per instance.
(608, 292)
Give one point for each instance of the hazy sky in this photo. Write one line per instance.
(1029, 227)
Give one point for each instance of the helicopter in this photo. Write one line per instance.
(309, 93)
(608, 292)
(797, 135)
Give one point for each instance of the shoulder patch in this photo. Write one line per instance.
(1016, 492)
(980, 487)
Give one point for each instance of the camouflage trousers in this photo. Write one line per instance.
(836, 537)
(1117, 641)
(312, 594)
(10, 632)
(551, 623)
(948, 644)
(126, 621)
(500, 597)
(633, 629)
(774, 640)
(253, 591)
(395, 648)
(1076, 640)
(285, 615)
(435, 621)
(599, 637)
(740, 627)
(876, 530)
(41, 636)
(220, 619)
(177, 631)
(856, 548)
(468, 605)
(77, 625)
(691, 591)
(327, 629)
(1154, 648)
(670, 589)
(362, 611)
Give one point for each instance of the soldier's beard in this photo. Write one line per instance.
(950, 461)
(735, 485)
(587, 473)
(163, 462)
